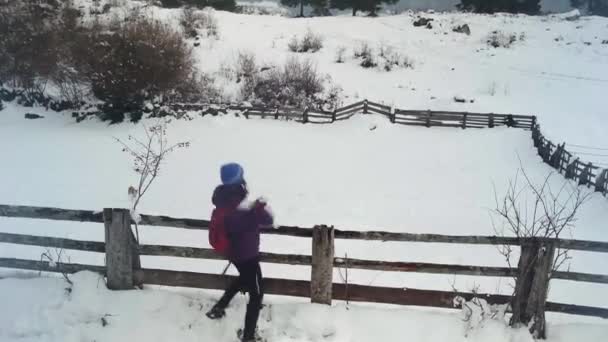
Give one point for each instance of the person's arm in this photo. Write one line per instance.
(262, 215)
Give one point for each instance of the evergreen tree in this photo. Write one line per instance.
(595, 7)
(493, 6)
(318, 6)
(370, 6)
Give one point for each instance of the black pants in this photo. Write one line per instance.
(249, 280)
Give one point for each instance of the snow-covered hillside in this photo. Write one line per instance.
(551, 73)
(360, 174)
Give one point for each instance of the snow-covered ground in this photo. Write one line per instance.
(392, 177)
(42, 310)
(562, 82)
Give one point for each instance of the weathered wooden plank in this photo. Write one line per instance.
(351, 111)
(206, 253)
(580, 310)
(45, 266)
(45, 241)
(393, 236)
(410, 123)
(319, 116)
(378, 105)
(421, 267)
(355, 292)
(583, 245)
(584, 277)
(47, 213)
(378, 111)
(351, 106)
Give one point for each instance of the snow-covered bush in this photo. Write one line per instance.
(499, 39)
(476, 312)
(310, 42)
(366, 55)
(389, 59)
(35, 50)
(261, 8)
(193, 20)
(142, 60)
(386, 58)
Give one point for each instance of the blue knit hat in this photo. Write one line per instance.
(231, 173)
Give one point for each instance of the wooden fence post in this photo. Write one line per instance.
(428, 118)
(276, 114)
(601, 182)
(556, 158)
(333, 115)
(464, 121)
(510, 121)
(121, 249)
(491, 120)
(305, 116)
(321, 279)
(585, 176)
(365, 107)
(532, 285)
(571, 169)
(536, 136)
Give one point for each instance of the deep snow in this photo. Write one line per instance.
(41, 310)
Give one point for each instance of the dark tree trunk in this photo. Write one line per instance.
(301, 8)
(531, 289)
(355, 11)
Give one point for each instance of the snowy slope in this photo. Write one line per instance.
(562, 81)
(41, 310)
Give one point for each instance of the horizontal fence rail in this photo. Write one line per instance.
(301, 288)
(46, 213)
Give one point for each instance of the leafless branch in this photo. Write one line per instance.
(148, 157)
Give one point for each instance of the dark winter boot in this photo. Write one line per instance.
(216, 313)
(256, 337)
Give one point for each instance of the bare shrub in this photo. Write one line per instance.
(296, 84)
(366, 56)
(310, 42)
(340, 54)
(499, 39)
(148, 157)
(143, 59)
(193, 21)
(28, 45)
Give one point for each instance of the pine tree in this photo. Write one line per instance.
(370, 6)
(319, 6)
(493, 6)
(595, 7)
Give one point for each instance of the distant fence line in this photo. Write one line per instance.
(585, 173)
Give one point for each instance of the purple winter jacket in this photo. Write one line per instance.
(242, 225)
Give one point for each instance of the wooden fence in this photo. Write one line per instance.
(554, 155)
(123, 268)
(572, 167)
(399, 116)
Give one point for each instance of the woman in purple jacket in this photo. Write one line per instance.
(242, 225)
